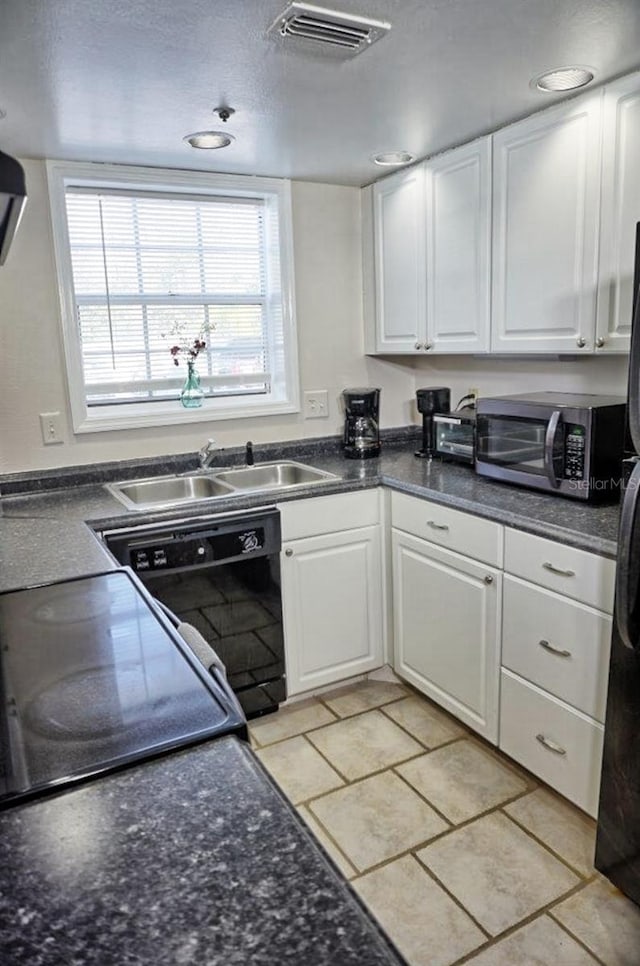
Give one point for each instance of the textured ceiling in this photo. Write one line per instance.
(125, 80)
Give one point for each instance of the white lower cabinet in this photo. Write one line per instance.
(555, 656)
(446, 629)
(332, 591)
(554, 741)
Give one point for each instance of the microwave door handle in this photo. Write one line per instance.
(549, 440)
(628, 571)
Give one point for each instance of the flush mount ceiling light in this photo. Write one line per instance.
(563, 79)
(392, 159)
(210, 140)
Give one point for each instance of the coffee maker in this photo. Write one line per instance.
(433, 399)
(361, 430)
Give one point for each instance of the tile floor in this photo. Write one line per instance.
(462, 856)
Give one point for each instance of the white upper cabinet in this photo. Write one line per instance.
(429, 263)
(399, 257)
(546, 189)
(620, 213)
(458, 215)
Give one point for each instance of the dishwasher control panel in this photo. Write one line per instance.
(195, 550)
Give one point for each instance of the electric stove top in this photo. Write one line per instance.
(92, 677)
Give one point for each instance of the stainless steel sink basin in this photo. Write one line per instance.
(273, 476)
(168, 491)
(165, 491)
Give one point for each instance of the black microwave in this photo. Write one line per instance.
(565, 443)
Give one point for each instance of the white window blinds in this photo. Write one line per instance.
(152, 271)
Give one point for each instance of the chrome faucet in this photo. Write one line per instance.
(206, 454)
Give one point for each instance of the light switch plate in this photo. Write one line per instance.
(52, 428)
(316, 404)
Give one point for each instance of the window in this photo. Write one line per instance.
(151, 262)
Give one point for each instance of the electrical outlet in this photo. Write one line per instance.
(316, 404)
(52, 428)
(473, 391)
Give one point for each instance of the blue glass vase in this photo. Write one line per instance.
(192, 395)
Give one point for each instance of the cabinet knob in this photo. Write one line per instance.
(488, 579)
(428, 345)
(288, 552)
(600, 342)
(418, 345)
(580, 342)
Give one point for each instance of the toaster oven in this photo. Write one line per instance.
(455, 435)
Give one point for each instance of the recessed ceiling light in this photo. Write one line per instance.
(209, 140)
(563, 79)
(393, 158)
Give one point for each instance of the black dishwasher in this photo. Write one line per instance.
(222, 575)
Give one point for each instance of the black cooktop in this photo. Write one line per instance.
(92, 677)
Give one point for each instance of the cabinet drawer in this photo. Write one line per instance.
(329, 514)
(534, 723)
(573, 573)
(558, 644)
(462, 532)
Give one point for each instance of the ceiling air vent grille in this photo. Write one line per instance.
(345, 31)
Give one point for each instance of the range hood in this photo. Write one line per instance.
(13, 194)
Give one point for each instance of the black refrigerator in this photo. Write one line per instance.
(618, 838)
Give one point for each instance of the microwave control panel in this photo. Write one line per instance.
(574, 453)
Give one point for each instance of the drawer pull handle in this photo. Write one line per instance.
(288, 552)
(556, 570)
(560, 651)
(437, 526)
(551, 745)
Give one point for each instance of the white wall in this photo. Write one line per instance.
(501, 376)
(329, 312)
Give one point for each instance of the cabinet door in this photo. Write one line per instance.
(399, 231)
(332, 600)
(620, 213)
(446, 627)
(546, 180)
(458, 216)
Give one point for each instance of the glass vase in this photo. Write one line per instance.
(192, 395)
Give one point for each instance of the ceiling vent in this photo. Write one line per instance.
(341, 31)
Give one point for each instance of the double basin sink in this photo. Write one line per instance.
(164, 491)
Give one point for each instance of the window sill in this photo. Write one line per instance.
(108, 419)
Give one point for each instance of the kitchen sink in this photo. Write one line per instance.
(273, 476)
(163, 491)
(168, 491)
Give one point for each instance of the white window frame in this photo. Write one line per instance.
(277, 192)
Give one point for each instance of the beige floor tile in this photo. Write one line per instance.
(377, 819)
(425, 722)
(462, 780)
(290, 721)
(345, 867)
(362, 696)
(366, 743)
(498, 873)
(426, 925)
(541, 943)
(565, 829)
(605, 921)
(298, 769)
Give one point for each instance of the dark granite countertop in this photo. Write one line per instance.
(190, 858)
(44, 536)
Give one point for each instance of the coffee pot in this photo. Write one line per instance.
(361, 425)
